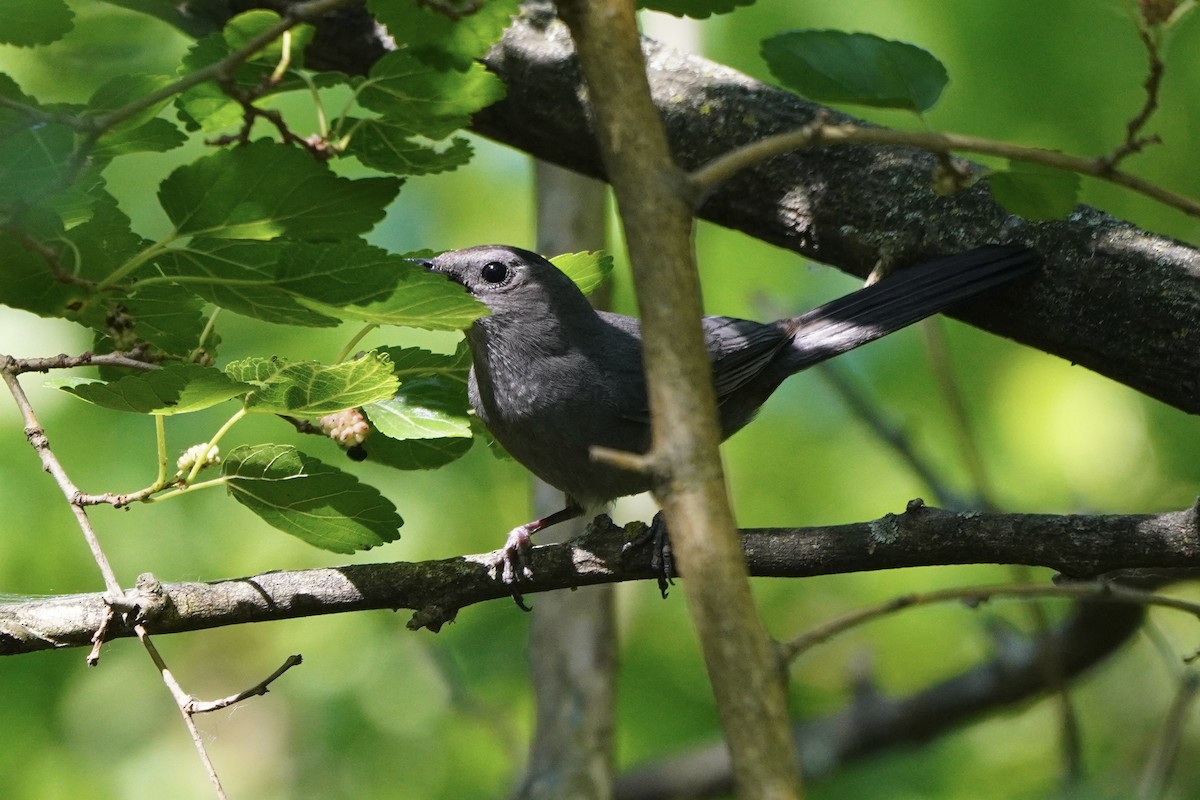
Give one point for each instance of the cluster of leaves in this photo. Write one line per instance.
(262, 227)
(265, 228)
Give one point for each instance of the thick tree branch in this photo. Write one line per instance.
(1161, 545)
(1114, 298)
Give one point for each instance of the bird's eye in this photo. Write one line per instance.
(494, 272)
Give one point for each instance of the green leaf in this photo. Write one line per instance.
(421, 299)
(310, 389)
(1034, 191)
(249, 25)
(166, 318)
(417, 97)
(33, 163)
(840, 67)
(264, 190)
(390, 148)
(116, 93)
(696, 9)
(285, 282)
(588, 269)
(177, 389)
(34, 22)
(156, 136)
(414, 453)
(431, 402)
(439, 40)
(308, 499)
(10, 118)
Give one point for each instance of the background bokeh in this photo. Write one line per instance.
(379, 712)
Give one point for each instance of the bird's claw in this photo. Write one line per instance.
(662, 561)
(511, 564)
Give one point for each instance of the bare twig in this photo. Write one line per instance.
(41, 445)
(820, 134)
(1164, 756)
(134, 360)
(257, 690)
(974, 595)
(1134, 141)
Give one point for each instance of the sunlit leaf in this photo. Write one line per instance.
(421, 299)
(588, 269)
(307, 388)
(308, 499)
(264, 190)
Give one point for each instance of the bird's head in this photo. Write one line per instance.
(511, 281)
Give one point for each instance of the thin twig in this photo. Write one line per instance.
(974, 595)
(818, 134)
(133, 360)
(257, 690)
(41, 445)
(1164, 756)
(1134, 141)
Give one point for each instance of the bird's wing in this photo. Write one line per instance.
(739, 350)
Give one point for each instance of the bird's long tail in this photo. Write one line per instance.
(900, 299)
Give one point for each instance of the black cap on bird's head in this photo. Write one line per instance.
(509, 279)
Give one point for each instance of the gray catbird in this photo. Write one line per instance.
(553, 377)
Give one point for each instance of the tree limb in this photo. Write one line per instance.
(1077, 546)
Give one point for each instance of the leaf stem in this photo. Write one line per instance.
(202, 458)
(354, 340)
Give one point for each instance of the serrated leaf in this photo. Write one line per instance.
(285, 282)
(311, 389)
(587, 269)
(28, 23)
(696, 9)
(840, 67)
(118, 92)
(439, 40)
(265, 190)
(308, 499)
(430, 407)
(390, 148)
(426, 101)
(421, 299)
(411, 454)
(156, 136)
(1034, 191)
(176, 389)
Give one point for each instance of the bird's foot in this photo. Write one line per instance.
(662, 561)
(511, 563)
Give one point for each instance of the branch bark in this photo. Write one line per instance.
(656, 215)
(1077, 546)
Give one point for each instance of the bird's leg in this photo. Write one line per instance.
(512, 560)
(661, 559)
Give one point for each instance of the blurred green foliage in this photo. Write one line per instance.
(379, 712)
